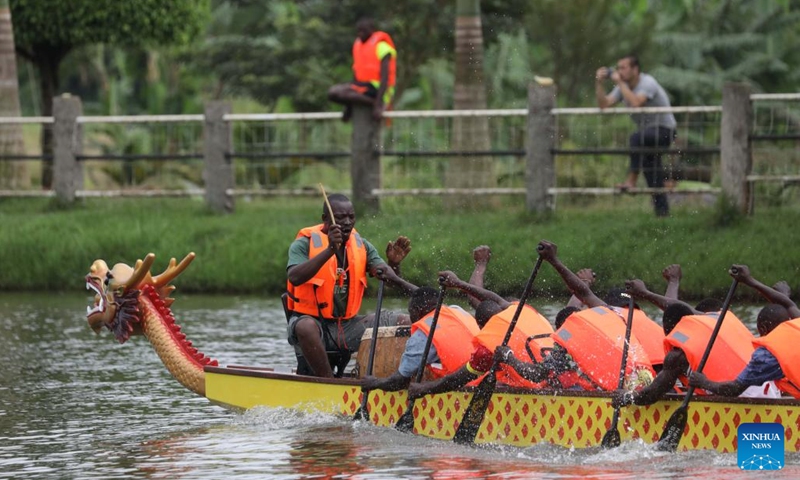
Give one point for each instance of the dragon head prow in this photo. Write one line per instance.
(117, 290)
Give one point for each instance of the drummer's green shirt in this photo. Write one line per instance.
(298, 253)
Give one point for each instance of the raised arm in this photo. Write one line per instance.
(451, 280)
(742, 273)
(481, 255)
(638, 289)
(672, 274)
(588, 277)
(578, 287)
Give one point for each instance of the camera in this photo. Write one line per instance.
(609, 71)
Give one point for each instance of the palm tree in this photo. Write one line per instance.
(12, 174)
(469, 133)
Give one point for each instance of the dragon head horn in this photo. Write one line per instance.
(173, 270)
(140, 271)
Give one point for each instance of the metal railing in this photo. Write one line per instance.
(266, 152)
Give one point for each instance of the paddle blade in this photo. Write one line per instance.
(674, 430)
(471, 422)
(406, 422)
(361, 413)
(611, 439)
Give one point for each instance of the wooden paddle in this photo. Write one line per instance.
(611, 438)
(333, 222)
(468, 428)
(406, 422)
(677, 422)
(363, 410)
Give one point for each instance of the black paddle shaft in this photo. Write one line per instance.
(473, 417)
(406, 422)
(713, 338)
(363, 411)
(424, 361)
(627, 344)
(612, 439)
(677, 422)
(374, 343)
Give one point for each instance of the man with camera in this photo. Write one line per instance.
(637, 89)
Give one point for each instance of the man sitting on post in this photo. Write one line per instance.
(374, 72)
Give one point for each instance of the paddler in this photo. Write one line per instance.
(494, 315)
(776, 357)
(687, 333)
(449, 350)
(647, 332)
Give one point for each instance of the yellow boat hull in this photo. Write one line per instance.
(569, 419)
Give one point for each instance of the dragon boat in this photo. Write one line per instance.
(131, 301)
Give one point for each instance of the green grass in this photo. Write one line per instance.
(45, 248)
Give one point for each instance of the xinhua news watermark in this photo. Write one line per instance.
(761, 446)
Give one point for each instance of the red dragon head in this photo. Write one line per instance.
(117, 293)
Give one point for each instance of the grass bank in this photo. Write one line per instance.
(42, 248)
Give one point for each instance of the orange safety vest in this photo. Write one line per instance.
(650, 334)
(366, 64)
(530, 323)
(455, 330)
(594, 338)
(731, 351)
(783, 343)
(315, 297)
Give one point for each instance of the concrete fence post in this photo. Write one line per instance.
(218, 168)
(736, 162)
(67, 145)
(540, 172)
(365, 165)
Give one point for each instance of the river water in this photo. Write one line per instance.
(78, 405)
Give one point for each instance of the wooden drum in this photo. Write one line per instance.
(388, 350)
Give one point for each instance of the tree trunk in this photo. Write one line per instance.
(47, 62)
(13, 174)
(469, 134)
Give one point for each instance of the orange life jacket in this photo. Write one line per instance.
(315, 297)
(366, 64)
(783, 343)
(731, 351)
(455, 330)
(594, 338)
(650, 334)
(530, 323)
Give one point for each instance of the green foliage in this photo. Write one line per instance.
(705, 44)
(583, 35)
(64, 25)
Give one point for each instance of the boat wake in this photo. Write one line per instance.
(279, 418)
